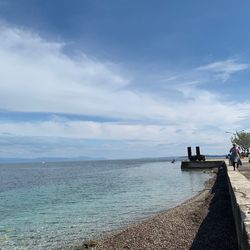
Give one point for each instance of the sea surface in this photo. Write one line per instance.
(50, 205)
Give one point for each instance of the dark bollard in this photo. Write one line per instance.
(198, 153)
(189, 150)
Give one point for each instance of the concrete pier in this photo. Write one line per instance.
(209, 164)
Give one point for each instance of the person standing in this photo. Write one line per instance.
(235, 156)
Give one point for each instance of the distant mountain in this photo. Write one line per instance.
(48, 159)
(87, 158)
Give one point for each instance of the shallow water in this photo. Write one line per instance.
(44, 206)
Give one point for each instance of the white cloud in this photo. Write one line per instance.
(224, 69)
(73, 138)
(40, 78)
(36, 76)
(176, 133)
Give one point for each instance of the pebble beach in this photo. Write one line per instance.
(202, 222)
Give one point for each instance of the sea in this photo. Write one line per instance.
(53, 205)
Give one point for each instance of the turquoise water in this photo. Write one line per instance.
(45, 206)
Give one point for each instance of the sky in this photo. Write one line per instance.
(122, 78)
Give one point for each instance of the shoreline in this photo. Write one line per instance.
(204, 221)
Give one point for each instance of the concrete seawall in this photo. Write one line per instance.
(239, 188)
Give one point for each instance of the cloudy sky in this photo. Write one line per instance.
(122, 78)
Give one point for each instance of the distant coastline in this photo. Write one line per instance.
(87, 158)
(47, 159)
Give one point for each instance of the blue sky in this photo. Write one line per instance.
(122, 79)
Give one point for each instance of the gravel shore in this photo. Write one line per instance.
(203, 222)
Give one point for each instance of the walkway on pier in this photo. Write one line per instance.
(239, 188)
